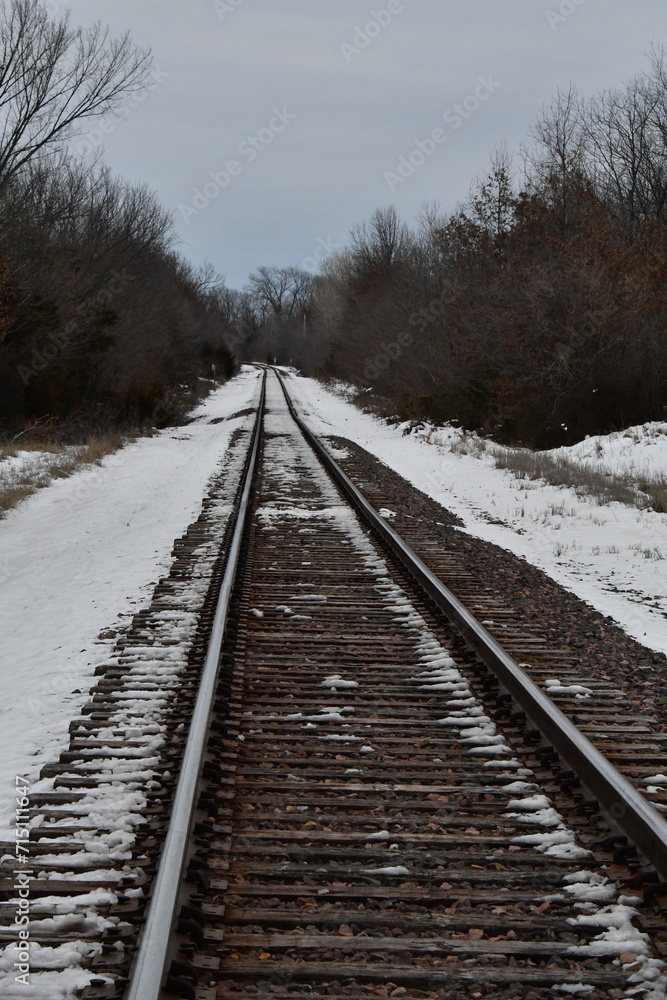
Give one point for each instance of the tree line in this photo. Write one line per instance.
(102, 323)
(535, 312)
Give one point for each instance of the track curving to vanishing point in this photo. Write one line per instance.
(374, 798)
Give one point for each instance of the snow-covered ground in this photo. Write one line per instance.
(640, 452)
(613, 555)
(79, 559)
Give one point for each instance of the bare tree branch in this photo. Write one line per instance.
(54, 77)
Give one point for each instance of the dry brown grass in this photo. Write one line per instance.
(656, 491)
(101, 445)
(45, 462)
(584, 479)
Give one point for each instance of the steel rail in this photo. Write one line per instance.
(149, 969)
(623, 805)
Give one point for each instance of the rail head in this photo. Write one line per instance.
(149, 968)
(624, 806)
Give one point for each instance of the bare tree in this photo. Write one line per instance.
(620, 137)
(560, 157)
(281, 292)
(379, 244)
(54, 77)
(62, 209)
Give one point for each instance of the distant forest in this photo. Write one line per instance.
(102, 323)
(537, 312)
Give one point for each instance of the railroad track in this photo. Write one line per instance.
(375, 799)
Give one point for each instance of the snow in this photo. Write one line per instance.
(530, 803)
(61, 985)
(572, 988)
(639, 451)
(607, 554)
(555, 686)
(558, 844)
(80, 558)
(540, 817)
(336, 681)
(619, 935)
(389, 870)
(329, 714)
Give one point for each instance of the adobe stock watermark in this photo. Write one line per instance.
(564, 11)
(247, 152)
(394, 349)
(454, 118)
(59, 340)
(323, 249)
(22, 874)
(224, 7)
(364, 34)
(434, 309)
(93, 141)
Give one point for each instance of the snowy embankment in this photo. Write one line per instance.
(611, 555)
(79, 559)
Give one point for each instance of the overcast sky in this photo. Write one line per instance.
(306, 109)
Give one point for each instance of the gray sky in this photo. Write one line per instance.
(313, 103)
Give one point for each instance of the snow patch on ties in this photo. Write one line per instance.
(325, 714)
(336, 681)
(390, 870)
(556, 686)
